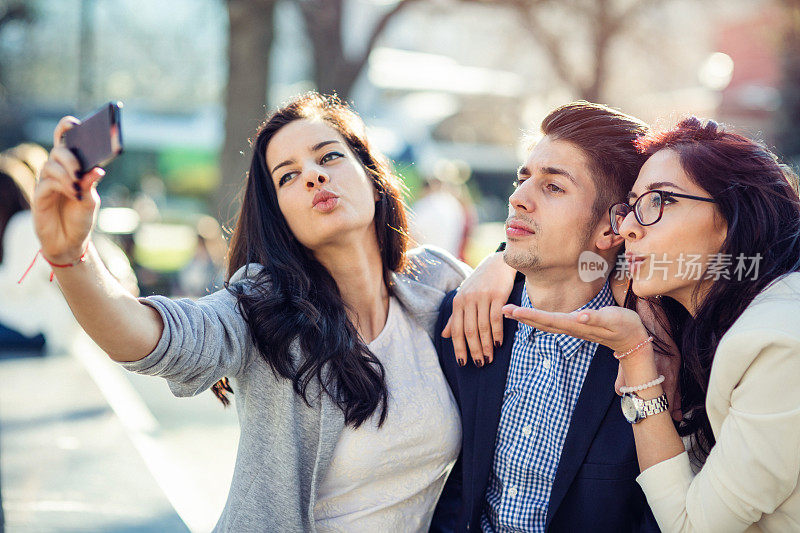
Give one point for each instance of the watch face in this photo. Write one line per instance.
(628, 408)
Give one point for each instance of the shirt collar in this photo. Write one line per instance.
(569, 345)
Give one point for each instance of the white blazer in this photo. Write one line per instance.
(750, 479)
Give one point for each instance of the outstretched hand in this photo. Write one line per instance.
(616, 327)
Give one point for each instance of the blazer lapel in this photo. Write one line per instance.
(490, 390)
(596, 395)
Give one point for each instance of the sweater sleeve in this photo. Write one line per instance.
(203, 340)
(754, 465)
(437, 268)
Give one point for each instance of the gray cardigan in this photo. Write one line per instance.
(285, 446)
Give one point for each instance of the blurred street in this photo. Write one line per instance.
(86, 446)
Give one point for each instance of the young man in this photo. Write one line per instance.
(545, 445)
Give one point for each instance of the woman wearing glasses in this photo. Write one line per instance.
(712, 233)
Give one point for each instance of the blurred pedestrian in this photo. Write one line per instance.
(31, 155)
(443, 214)
(32, 313)
(204, 272)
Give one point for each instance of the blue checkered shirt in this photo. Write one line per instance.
(544, 381)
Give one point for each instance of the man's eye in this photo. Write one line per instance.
(330, 156)
(555, 188)
(517, 182)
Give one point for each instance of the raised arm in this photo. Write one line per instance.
(65, 207)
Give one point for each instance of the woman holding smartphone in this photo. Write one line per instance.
(324, 328)
(723, 202)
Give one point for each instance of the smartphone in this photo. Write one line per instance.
(98, 138)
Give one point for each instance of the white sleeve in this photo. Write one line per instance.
(754, 465)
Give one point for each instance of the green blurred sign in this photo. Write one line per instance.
(189, 171)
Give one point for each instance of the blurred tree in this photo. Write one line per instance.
(555, 23)
(334, 71)
(11, 118)
(788, 114)
(251, 31)
(11, 12)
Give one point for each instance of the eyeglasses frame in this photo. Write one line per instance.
(663, 194)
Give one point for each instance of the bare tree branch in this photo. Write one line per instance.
(333, 71)
(552, 46)
(604, 23)
(380, 27)
(630, 13)
(358, 64)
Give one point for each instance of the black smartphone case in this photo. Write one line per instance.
(91, 140)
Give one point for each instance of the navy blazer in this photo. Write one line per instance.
(595, 486)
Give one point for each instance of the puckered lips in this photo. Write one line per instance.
(324, 201)
(516, 228)
(634, 260)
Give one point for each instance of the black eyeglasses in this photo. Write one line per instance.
(647, 209)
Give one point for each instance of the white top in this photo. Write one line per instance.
(390, 478)
(751, 479)
(35, 305)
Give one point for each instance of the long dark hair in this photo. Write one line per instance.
(294, 298)
(758, 198)
(16, 184)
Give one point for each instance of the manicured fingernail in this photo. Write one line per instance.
(79, 196)
(497, 344)
(461, 362)
(486, 360)
(76, 186)
(479, 362)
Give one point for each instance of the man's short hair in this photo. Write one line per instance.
(607, 137)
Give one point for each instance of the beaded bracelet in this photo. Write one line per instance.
(637, 347)
(658, 381)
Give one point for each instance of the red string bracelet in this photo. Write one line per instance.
(78, 261)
